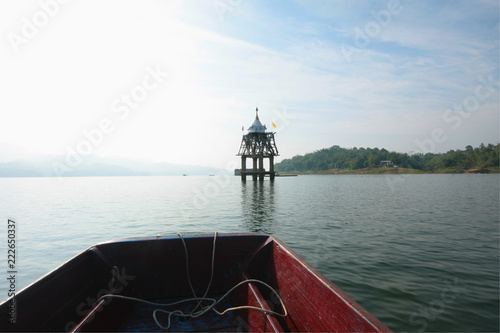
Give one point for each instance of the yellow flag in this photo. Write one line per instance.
(274, 126)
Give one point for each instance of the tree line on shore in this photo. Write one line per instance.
(339, 158)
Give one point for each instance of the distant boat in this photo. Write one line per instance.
(187, 282)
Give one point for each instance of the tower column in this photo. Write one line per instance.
(243, 167)
(261, 168)
(254, 174)
(271, 167)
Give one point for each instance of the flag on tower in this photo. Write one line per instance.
(274, 126)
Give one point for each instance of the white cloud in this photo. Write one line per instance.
(67, 79)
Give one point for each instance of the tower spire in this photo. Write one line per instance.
(257, 113)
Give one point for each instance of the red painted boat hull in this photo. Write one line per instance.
(155, 269)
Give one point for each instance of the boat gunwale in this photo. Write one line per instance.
(348, 300)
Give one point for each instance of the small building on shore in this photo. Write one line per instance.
(386, 164)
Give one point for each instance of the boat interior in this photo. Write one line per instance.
(185, 283)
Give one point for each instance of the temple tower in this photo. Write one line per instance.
(257, 145)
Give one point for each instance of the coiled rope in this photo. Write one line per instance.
(197, 313)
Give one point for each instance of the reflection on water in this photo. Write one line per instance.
(258, 206)
(423, 256)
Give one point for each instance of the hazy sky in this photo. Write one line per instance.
(175, 81)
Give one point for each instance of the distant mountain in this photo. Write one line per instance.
(93, 166)
(10, 152)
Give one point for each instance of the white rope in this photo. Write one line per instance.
(211, 271)
(200, 300)
(187, 264)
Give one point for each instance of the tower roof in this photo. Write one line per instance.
(257, 126)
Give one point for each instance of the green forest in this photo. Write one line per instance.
(336, 159)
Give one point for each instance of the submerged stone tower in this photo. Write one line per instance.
(257, 145)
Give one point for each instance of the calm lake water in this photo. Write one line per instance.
(420, 252)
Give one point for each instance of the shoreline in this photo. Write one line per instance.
(388, 171)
